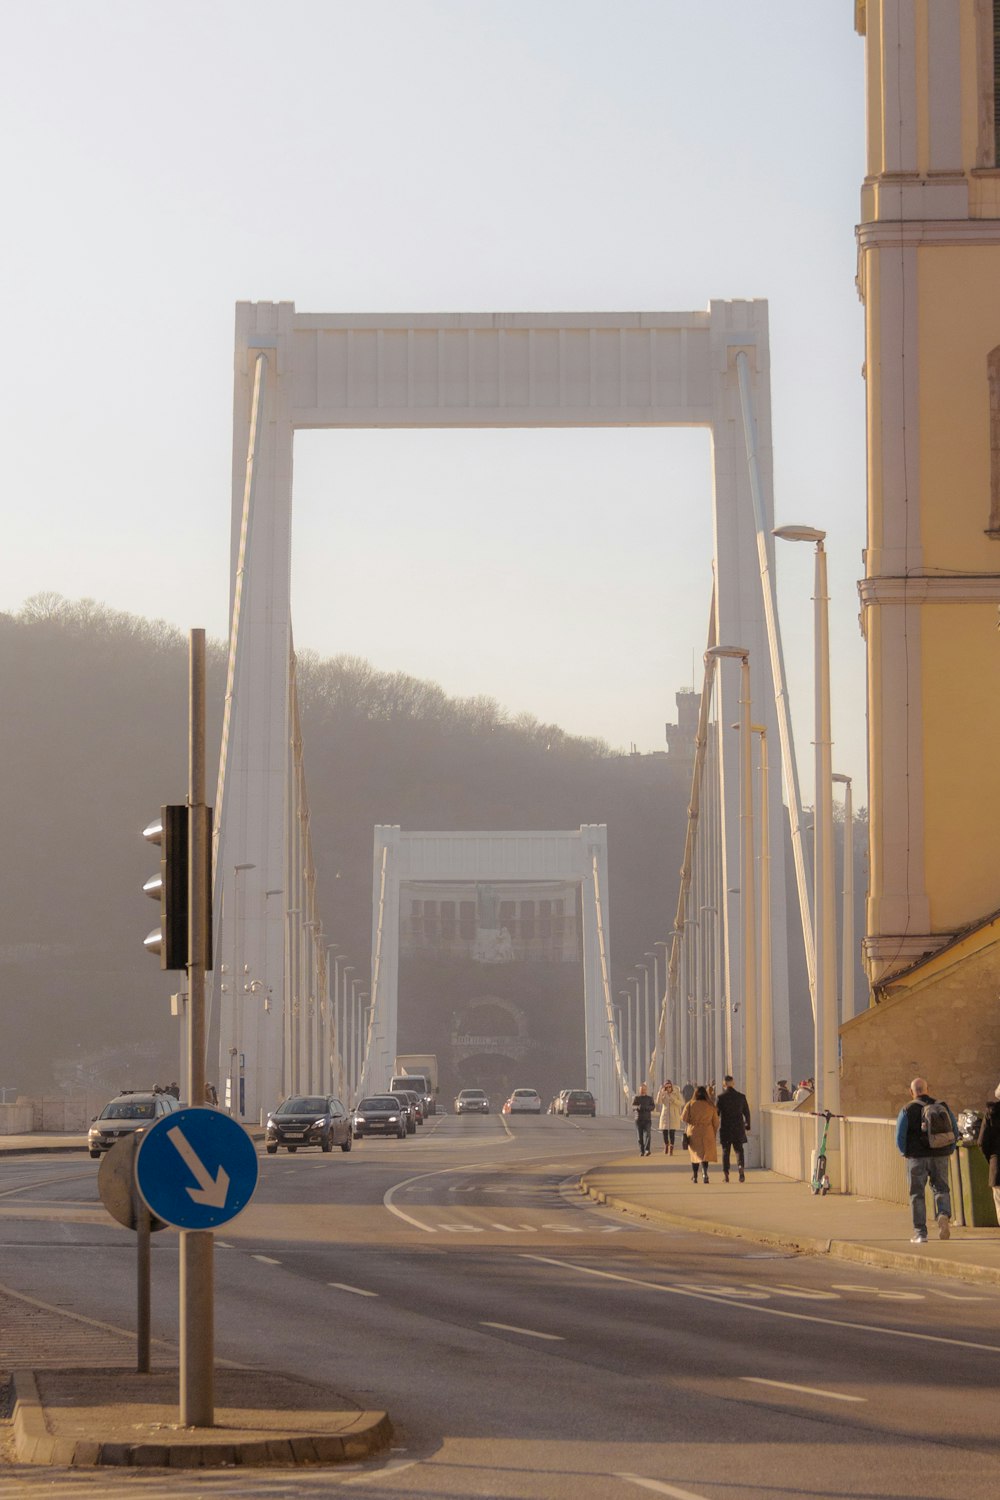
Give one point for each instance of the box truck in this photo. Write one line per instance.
(417, 1071)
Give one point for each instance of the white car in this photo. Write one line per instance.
(524, 1102)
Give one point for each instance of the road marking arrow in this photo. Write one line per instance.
(212, 1191)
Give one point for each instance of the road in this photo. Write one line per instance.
(528, 1343)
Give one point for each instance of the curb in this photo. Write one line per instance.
(365, 1435)
(40, 1150)
(852, 1250)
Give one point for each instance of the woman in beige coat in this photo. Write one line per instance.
(671, 1103)
(701, 1121)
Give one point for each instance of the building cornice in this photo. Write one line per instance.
(922, 588)
(882, 234)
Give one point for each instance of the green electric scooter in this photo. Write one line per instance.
(820, 1183)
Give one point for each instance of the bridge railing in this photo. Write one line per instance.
(870, 1166)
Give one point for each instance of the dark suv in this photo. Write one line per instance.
(308, 1120)
(580, 1102)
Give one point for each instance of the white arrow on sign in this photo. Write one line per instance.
(210, 1190)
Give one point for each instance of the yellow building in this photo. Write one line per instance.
(929, 276)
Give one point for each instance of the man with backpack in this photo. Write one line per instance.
(926, 1134)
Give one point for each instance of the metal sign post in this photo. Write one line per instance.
(197, 1330)
(116, 1183)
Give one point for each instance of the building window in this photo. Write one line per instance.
(448, 921)
(527, 920)
(467, 921)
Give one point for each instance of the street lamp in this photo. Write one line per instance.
(237, 1086)
(640, 1075)
(662, 1009)
(642, 970)
(748, 891)
(824, 914)
(847, 921)
(630, 1038)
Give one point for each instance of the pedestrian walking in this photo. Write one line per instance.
(701, 1119)
(989, 1142)
(734, 1126)
(782, 1093)
(926, 1133)
(671, 1104)
(642, 1108)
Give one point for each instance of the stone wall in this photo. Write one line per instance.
(942, 1023)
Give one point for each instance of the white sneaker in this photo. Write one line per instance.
(919, 1237)
(944, 1227)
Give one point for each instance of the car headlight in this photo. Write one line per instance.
(318, 1124)
(360, 1120)
(393, 1119)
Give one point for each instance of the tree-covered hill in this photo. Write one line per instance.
(93, 738)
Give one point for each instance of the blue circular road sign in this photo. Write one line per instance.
(196, 1168)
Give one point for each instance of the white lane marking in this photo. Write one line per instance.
(772, 1312)
(531, 1333)
(808, 1390)
(268, 1260)
(723, 1291)
(391, 1468)
(342, 1286)
(463, 1228)
(659, 1488)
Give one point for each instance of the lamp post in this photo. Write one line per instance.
(237, 1086)
(660, 1013)
(847, 920)
(346, 969)
(629, 1039)
(766, 1008)
(642, 974)
(715, 999)
(640, 1076)
(824, 910)
(621, 1049)
(748, 891)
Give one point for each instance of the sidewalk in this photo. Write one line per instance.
(773, 1210)
(38, 1142)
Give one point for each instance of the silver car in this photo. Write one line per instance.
(124, 1113)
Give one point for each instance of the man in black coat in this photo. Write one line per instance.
(734, 1124)
(989, 1141)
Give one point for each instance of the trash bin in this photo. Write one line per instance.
(980, 1210)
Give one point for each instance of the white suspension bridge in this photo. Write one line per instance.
(287, 1013)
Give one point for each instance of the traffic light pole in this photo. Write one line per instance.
(197, 1320)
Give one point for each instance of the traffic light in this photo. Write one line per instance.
(170, 887)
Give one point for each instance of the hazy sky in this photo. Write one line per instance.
(164, 161)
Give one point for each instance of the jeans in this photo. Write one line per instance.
(921, 1170)
(643, 1127)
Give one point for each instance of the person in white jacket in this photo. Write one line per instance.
(671, 1102)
